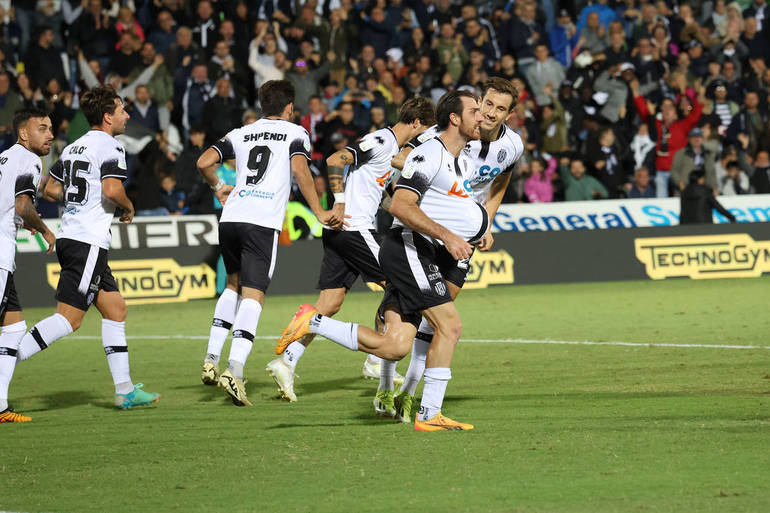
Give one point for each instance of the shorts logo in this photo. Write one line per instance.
(501, 156)
(440, 288)
(433, 268)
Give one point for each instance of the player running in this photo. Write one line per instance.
(266, 154)
(355, 251)
(435, 223)
(88, 179)
(493, 158)
(19, 179)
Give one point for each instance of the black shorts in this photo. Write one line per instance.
(9, 301)
(250, 251)
(348, 255)
(416, 271)
(84, 272)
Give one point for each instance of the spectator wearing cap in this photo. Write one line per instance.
(698, 202)
(671, 132)
(698, 59)
(563, 37)
(695, 156)
(545, 71)
(721, 107)
(641, 186)
(578, 186)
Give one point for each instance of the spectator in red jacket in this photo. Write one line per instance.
(671, 132)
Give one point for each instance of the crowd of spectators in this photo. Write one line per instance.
(617, 98)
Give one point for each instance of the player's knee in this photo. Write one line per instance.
(453, 330)
(118, 312)
(75, 322)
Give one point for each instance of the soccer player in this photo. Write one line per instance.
(266, 154)
(355, 251)
(19, 179)
(436, 221)
(88, 179)
(493, 159)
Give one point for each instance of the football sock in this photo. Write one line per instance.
(387, 371)
(374, 360)
(420, 348)
(293, 353)
(42, 335)
(9, 343)
(343, 333)
(224, 315)
(116, 349)
(244, 328)
(436, 379)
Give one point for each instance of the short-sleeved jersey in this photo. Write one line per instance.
(437, 177)
(262, 153)
(81, 168)
(368, 176)
(490, 159)
(19, 174)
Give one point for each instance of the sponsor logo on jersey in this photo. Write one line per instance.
(383, 180)
(366, 144)
(157, 280)
(491, 268)
(704, 256)
(458, 190)
(255, 193)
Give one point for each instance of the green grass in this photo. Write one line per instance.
(558, 427)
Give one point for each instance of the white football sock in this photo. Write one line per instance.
(224, 315)
(413, 374)
(9, 342)
(42, 335)
(293, 353)
(373, 359)
(436, 379)
(343, 333)
(244, 329)
(387, 371)
(116, 349)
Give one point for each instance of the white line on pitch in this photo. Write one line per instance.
(474, 341)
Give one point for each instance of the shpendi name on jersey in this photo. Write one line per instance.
(264, 136)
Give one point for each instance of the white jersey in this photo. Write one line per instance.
(368, 176)
(19, 174)
(490, 159)
(262, 153)
(81, 168)
(437, 177)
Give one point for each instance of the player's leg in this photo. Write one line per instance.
(259, 248)
(224, 316)
(13, 329)
(113, 308)
(447, 327)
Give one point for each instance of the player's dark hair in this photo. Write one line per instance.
(275, 95)
(24, 115)
(97, 102)
(417, 108)
(451, 103)
(501, 85)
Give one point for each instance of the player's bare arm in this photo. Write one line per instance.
(112, 188)
(405, 207)
(53, 191)
(26, 210)
(496, 193)
(400, 159)
(207, 167)
(307, 188)
(335, 167)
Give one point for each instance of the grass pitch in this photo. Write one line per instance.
(584, 428)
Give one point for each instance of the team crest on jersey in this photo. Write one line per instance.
(501, 156)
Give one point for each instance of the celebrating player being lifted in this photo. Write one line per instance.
(88, 179)
(266, 153)
(355, 251)
(435, 224)
(19, 179)
(492, 158)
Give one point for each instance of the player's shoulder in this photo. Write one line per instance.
(512, 139)
(430, 150)
(427, 135)
(383, 138)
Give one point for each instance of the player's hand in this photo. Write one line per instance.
(487, 242)
(50, 238)
(127, 216)
(338, 210)
(458, 247)
(223, 193)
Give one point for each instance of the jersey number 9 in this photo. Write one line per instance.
(259, 156)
